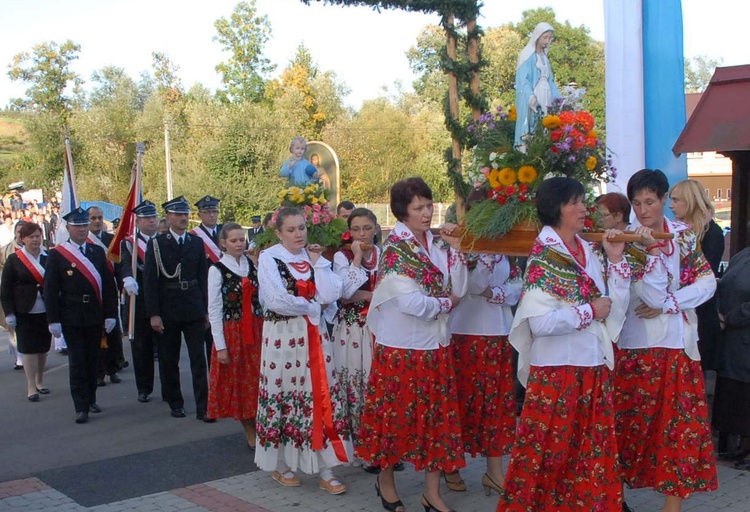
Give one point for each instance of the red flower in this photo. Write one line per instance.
(510, 190)
(567, 117)
(347, 236)
(585, 120)
(556, 135)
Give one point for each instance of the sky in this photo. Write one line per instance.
(364, 48)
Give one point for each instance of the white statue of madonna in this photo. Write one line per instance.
(535, 82)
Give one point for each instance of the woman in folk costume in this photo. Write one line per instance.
(484, 364)
(353, 341)
(664, 436)
(236, 325)
(20, 293)
(571, 310)
(300, 423)
(535, 84)
(411, 409)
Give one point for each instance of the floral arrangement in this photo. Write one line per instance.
(505, 178)
(323, 226)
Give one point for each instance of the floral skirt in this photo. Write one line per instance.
(486, 393)
(411, 411)
(285, 400)
(565, 454)
(352, 353)
(663, 432)
(233, 387)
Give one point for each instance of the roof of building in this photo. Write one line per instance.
(720, 121)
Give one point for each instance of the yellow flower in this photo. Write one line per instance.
(507, 176)
(551, 122)
(493, 178)
(592, 134)
(282, 194)
(527, 174)
(591, 163)
(512, 114)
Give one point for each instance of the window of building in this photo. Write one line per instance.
(718, 193)
(729, 193)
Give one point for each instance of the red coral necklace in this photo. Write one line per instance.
(300, 266)
(578, 252)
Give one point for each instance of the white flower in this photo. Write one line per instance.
(493, 155)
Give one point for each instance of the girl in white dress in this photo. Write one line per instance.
(300, 421)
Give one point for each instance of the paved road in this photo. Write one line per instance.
(136, 457)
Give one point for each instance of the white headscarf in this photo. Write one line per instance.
(530, 47)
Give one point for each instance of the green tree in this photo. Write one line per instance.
(311, 98)
(698, 72)
(52, 84)
(425, 61)
(243, 36)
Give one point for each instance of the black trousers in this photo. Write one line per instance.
(169, 344)
(83, 355)
(209, 346)
(111, 357)
(142, 348)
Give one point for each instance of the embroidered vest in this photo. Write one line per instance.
(291, 288)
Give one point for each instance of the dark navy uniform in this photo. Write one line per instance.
(175, 289)
(111, 357)
(210, 237)
(253, 231)
(144, 338)
(73, 301)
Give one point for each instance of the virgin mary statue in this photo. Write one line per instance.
(535, 83)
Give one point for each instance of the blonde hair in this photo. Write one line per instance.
(700, 210)
(298, 139)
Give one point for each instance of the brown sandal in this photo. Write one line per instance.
(286, 481)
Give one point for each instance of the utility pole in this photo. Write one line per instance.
(168, 157)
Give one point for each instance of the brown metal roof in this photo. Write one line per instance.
(721, 119)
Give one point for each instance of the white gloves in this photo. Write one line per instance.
(130, 285)
(109, 324)
(11, 321)
(55, 330)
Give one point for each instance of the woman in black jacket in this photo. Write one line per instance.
(21, 298)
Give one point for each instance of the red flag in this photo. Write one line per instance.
(127, 222)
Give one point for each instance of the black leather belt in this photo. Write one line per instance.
(83, 298)
(180, 285)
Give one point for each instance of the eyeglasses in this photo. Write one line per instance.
(363, 229)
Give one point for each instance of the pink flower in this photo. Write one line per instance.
(316, 218)
(486, 171)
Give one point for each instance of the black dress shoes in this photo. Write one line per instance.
(202, 417)
(82, 417)
(143, 397)
(100, 383)
(33, 398)
(178, 412)
(94, 408)
(115, 379)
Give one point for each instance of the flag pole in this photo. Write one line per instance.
(134, 252)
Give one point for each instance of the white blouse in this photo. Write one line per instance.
(677, 326)
(272, 288)
(408, 320)
(352, 277)
(562, 337)
(216, 301)
(478, 315)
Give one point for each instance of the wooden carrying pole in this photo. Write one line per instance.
(134, 250)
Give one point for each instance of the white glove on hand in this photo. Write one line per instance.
(11, 321)
(130, 285)
(109, 324)
(55, 330)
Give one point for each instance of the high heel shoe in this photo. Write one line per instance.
(429, 507)
(488, 483)
(391, 507)
(456, 486)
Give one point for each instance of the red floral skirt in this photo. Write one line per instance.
(565, 454)
(486, 393)
(410, 412)
(233, 387)
(663, 432)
